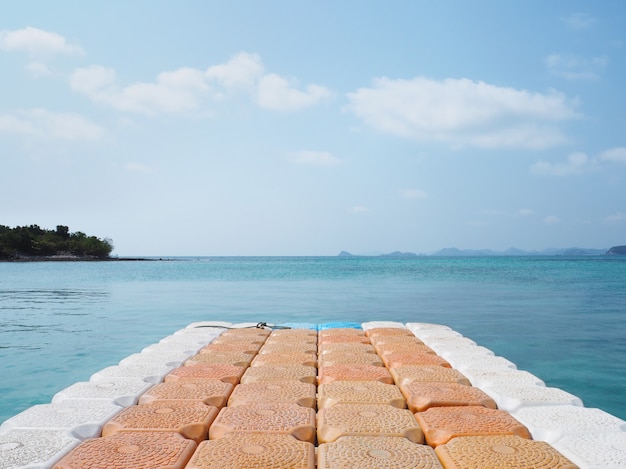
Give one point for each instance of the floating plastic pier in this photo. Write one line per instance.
(301, 396)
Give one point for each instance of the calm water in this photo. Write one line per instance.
(563, 319)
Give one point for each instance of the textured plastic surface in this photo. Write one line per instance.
(336, 339)
(441, 424)
(289, 347)
(121, 391)
(295, 392)
(285, 358)
(512, 397)
(395, 339)
(346, 356)
(243, 346)
(374, 324)
(150, 372)
(288, 419)
(340, 331)
(354, 372)
(421, 396)
(486, 378)
(131, 450)
(227, 358)
(398, 359)
(500, 452)
(266, 373)
(189, 418)
(388, 331)
(359, 392)
(35, 449)
(209, 391)
(375, 452)
(387, 348)
(366, 420)
(254, 450)
(407, 374)
(353, 347)
(227, 373)
(595, 450)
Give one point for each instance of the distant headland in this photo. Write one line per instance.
(33, 243)
(455, 252)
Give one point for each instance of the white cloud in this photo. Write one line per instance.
(137, 168)
(576, 68)
(463, 112)
(413, 194)
(615, 155)
(358, 209)
(48, 124)
(185, 89)
(526, 212)
(37, 43)
(315, 158)
(576, 163)
(579, 21)
(616, 217)
(551, 220)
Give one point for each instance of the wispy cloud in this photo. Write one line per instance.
(579, 21)
(572, 67)
(314, 158)
(614, 155)
(358, 209)
(616, 217)
(579, 163)
(37, 43)
(525, 212)
(138, 168)
(462, 112)
(413, 194)
(52, 125)
(185, 89)
(551, 220)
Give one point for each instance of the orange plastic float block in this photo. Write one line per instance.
(394, 339)
(269, 373)
(498, 452)
(254, 450)
(279, 340)
(131, 450)
(289, 347)
(359, 392)
(407, 374)
(285, 358)
(295, 392)
(241, 346)
(341, 331)
(247, 332)
(227, 373)
(249, 339)
(288, 419)
(344, 356)
(227, 358)
(388, 331)
(441, 424)
(394, 347)
(398, 359)
(366, 420)
(190, 419)
(352, 347)
(354, 372)
(211, 392)
(374, 452)
(293, 334)
(421, 396)
(343, 339)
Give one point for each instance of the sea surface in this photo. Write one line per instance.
(561, 318)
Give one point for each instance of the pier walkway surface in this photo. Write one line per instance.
(339, 395)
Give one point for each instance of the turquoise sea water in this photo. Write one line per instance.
(563, 319)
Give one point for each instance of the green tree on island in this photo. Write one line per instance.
(33, 241)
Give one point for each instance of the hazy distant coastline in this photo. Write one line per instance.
(455, 252)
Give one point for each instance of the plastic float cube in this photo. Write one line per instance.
(33, 448)
(152, 373)
(425, 326)
(464, 350)
(269, 373)
(373, 452)
(388, 331)
(285, 358)
(407, 374)
(131, 450)
(436, 332)
(390, 347)
(241, 346)
(171, 358)
(551, 423)
(189, 418)
(295, 392)
(293, 334)
(288, 347)
(121, 391)
(268, 418)
(227, 373)
(377, 324)
(500, 452)
(441, 424)
(398, 359)
(347, 357)
(340, 331)
(213, 392)
(227, 358)
(354, 372)
(605, 450)
(343, 339)
(81, 418)
(248, 339)
(366, 420)
(512, 397)
(353, 347)
(421, 396)
(246, 332)
(485, 362)
(380, 340)
(311, 340)
(359, 392)
(254, 450)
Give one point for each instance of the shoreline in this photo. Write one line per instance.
(69, 258)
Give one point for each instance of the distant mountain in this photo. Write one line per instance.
(399, 254)
(455, 252)
(617, 250)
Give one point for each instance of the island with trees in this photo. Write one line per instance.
(24, 243)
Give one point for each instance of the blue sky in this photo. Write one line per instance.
(307, 128)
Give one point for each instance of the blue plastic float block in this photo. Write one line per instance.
(336, 325)
(299, 325)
